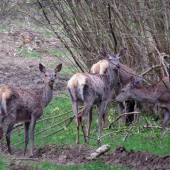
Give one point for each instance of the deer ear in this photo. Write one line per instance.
(132, 79)
(42, 68)
(137, 81)
(122, 52)
(58, 68)
(104, 53)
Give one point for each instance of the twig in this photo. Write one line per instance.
(18, 124)
(26, 159)
(121, 116)
(111, 133)
(148, 123)
(157, 127)
(162, 60)
(57, 115)
(59, 129)
(127, 133)
(150, 69)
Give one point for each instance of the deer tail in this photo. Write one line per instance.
(3, 102)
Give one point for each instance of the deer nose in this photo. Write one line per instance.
(118, 65)
(52, 80)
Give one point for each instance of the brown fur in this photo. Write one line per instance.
(89, 89)
(157, 94)
(22, 105)
(124, 74)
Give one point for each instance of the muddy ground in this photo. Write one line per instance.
(21, 72)
(64, 155)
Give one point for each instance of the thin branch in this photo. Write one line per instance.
(112, 132)
(127, 133)
(150, 69)
(59, 129)
(121, 116)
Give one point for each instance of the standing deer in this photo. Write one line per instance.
(21, 105)
(89, 89)
(124, 75)
(157, 94)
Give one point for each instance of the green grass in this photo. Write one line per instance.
(97, 165)
(143, 140)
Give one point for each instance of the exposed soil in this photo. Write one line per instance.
(22, 72)
(64, 155)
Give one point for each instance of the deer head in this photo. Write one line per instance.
(114, 59)
(50, 75)
(127, 91)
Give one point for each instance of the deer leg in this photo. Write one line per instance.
(121, 108)
(105, 119)
(87, 108)
(77, 124)
(89, 121)
(26, 129)
(33, 122)
(2, 118)
(139, 108)
(8, 134)
(165, 120)
(102, 106)
(75, 110)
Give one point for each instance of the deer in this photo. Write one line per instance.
(88, 89)
(158, 94)
(22, 105)
(125, 73)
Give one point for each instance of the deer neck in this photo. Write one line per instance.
(145, 94)
(46, 93)
(112, 77)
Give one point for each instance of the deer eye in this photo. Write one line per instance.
(122, 91)
(55, 75)
(45, 75)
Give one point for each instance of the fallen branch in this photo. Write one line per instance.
(157, 127)
(150, 69)
(26, 159)
(121, 116)
(59, 129)
(111, 133)
(18, 124)
(98, 152)
(127, 133)
(58, 115)
(148, 124)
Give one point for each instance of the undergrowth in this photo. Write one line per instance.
(139, 138)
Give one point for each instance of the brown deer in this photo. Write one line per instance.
(157, 94)
(21, 105)
(89, 89)
(124, 74)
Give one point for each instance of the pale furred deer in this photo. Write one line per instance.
(124, 74)
(88, 89)
(21, 105)
(157, 94)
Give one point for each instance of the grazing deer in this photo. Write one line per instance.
(124, 75)
(88, 89)
(21, 105)
(157, 94)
